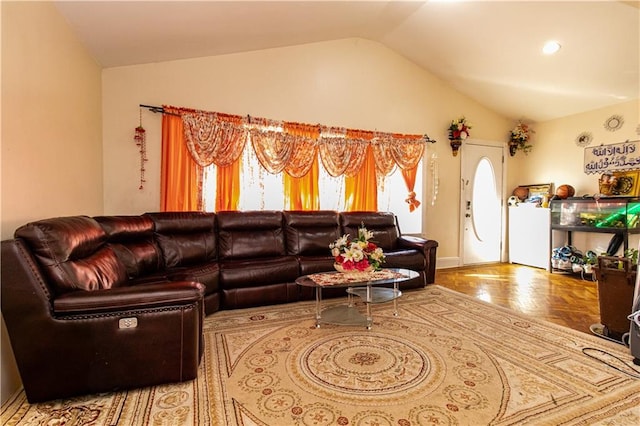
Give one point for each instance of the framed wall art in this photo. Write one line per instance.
(625, 184)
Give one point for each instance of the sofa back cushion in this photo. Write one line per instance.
(250, 234)
(382, 224)
(132, 240)
(185, 238)
(309, 233)
(73, 253)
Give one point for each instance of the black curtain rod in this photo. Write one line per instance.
(158, 109)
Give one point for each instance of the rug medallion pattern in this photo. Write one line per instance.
(447, 359)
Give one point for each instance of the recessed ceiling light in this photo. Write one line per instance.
(551, 47)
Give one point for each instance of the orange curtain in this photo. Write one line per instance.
(180, 176)
(228, 186)
(409, 176)
(361, 190)
(301, 191)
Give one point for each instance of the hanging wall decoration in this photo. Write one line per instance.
(140, 140)
(519, 138)
(614, 123)
(458, 132)
(584, 139)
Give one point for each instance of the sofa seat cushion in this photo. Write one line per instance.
(258, 272)
(270, 294)
(207, 274)
(315, 264)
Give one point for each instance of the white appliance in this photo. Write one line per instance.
(529, 235)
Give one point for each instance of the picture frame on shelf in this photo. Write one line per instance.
(534, 195)
(538, 193)
(627, 184)
(540, 190)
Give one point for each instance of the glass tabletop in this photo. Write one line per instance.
(339, 279)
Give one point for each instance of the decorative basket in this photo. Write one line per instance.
(352, 273)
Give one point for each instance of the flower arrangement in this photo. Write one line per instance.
(519, 138)
(357, 255)
(459, 129)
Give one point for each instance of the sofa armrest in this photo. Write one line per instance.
(416, 243)
(428, 248)
(127, 298)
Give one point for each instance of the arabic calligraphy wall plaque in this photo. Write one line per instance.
(610, 158)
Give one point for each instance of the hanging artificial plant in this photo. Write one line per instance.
(458, 131)
(519, 138)
(140, 140)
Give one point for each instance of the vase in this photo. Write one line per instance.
(455, 145)
(513, 147)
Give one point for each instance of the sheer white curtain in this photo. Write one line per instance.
(264, 191)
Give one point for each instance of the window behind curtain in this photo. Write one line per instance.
(263, 191)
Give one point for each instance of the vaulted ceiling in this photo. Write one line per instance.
(489, 50)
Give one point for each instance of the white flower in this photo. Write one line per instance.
(365, 234)
(377, 254)
(340, 242)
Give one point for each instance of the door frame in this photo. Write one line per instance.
(503, 206)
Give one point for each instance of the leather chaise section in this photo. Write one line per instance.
(90, 349)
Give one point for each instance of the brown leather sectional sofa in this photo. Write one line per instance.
(114, 302)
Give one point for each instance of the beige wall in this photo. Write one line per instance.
(556, 158)
(51, 128)
(353, 83)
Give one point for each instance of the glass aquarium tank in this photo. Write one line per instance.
(594, 215)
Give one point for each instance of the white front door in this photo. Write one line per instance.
(481, 207)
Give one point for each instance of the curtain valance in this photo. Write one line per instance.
(218, 138)
(213, 137)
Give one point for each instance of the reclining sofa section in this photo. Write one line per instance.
(118, 301)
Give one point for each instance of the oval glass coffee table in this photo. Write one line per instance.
(368, 286)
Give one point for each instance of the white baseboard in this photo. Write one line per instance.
(447, 262)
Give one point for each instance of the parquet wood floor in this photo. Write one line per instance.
(563, 299)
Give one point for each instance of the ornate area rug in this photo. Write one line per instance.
(447, 359)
